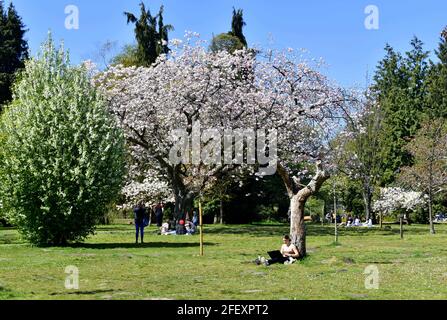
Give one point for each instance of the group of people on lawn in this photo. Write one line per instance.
(349, 221)
(142, 219)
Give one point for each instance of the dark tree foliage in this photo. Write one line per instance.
(400, 87)
(437, 82)
(237, 26)
(257, 200)
(152, 35)
(13, 49)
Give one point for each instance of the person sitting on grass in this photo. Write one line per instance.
(180, 228)
(368, 223)
(165, 230)
(288, 254)
(350, 221)
(190, 227)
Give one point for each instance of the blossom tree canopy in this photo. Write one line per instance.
(274, 91)
(394, 199)
(148, 190)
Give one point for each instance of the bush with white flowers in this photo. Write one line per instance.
(64, 156)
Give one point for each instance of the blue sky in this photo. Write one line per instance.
(331, 29)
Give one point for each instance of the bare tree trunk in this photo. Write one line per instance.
(430, 213)
(335, 215)
(381, 220)
(401, 227)
(221, 212)
(323, 213)
(367, 200)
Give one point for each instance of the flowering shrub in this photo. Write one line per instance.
(65, 154)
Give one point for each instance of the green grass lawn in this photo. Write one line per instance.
(111, 266)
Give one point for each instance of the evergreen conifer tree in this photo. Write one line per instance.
(151, 42)
(401, 89)
(437, 82)
(237, 26)
(13, 49)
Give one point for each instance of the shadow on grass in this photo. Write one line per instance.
(81, 292)
(10, 239)
(318, 230)
(7, 228)
(3, 289)
(280, 230)
(137, 246)
(252, 230)
(116, 229)
(313, 230)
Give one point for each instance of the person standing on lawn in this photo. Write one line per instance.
(139, 213)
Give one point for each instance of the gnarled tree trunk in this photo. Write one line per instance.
(299, 195)
(297, 225)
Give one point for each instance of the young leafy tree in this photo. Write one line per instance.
(359, 149)
(227, 42)
(128, 57)
(219, 194)
(64, 160)
(233, 40)
(151, 42)
(13, 49)
(429, 172)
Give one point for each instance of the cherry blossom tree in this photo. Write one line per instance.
(146, 188)
(272, 92)
(394, 199)
(191, 87)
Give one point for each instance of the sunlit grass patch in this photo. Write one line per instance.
(112, 266)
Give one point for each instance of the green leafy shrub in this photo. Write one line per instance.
(64, 155)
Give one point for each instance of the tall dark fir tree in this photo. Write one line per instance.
(400, 86)
(437, 82)
(237, 26)
(151, 33)
(13, 49)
